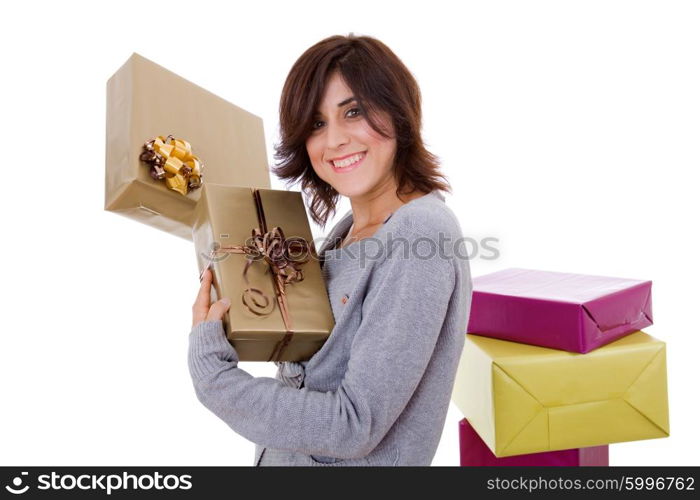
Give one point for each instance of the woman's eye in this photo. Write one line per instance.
(351, 113)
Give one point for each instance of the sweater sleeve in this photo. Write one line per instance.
(402, 316)
(290, 373)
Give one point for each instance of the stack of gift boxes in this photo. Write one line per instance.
(555, 368)
(187, 162)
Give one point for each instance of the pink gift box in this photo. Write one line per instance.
(474, 453)
(571, 312)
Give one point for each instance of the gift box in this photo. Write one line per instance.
(572, 312)
(259, 246)
(527, 399)
(145, 101)
(474, 453)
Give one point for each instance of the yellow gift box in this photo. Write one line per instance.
(527, 399)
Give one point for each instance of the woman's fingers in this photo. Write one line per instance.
(203, 310)
(201, 303)
(218, 309)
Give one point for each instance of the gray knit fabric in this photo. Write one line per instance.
(378, 391)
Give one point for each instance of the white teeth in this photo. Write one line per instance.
(348, 161)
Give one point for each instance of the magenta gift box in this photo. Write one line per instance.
(474, 453)
(570, 312)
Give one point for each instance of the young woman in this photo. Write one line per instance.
(378, 391)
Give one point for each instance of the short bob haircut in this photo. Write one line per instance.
(380, 82)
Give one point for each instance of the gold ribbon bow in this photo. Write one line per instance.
(284, 257)
(172, 159)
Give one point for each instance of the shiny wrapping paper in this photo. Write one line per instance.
(225, 216)
(144, 101)
(572, 312)
(474, 453)
(527, 399)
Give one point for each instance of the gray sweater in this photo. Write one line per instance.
(378, 391)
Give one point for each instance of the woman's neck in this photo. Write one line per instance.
(373, 208)
(371, 211)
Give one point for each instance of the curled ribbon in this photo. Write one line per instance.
(172, 159)
(282, 256)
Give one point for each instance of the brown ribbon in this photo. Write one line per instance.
(279, 252)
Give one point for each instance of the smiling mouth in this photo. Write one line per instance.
(348, 162)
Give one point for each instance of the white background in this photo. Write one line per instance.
(568, 129)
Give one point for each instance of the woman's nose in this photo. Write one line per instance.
(337, 135)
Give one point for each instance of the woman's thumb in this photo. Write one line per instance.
(218, 309)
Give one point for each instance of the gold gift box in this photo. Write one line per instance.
(527, 399)
(144, 101)
(226, 216)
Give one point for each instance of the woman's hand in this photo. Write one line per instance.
(202, 310)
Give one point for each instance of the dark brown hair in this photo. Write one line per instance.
(381, 83)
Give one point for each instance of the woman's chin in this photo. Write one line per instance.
(350, 191)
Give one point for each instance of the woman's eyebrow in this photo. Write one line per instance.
(340, 104)
(346, 101)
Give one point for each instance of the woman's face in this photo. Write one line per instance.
(344, 149)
